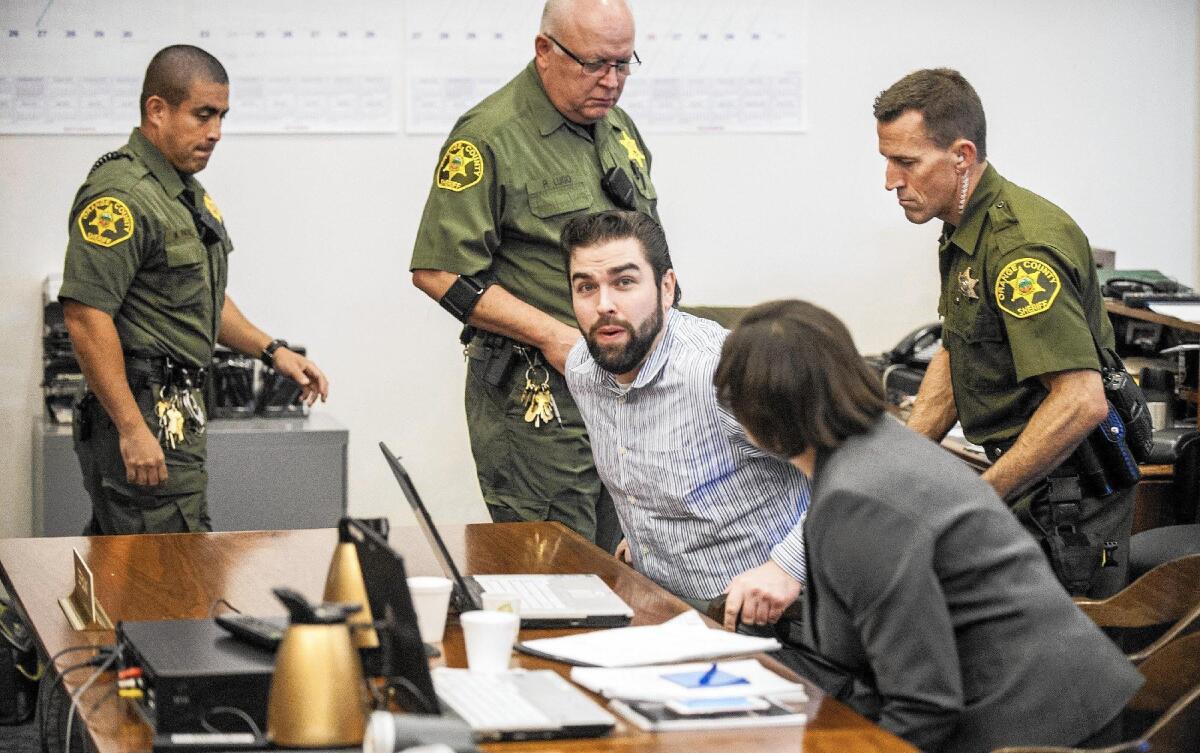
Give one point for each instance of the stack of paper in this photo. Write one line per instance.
(683, 638)
(723, 695)
(654, 683)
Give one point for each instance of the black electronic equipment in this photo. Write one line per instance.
(1118, 283)
(230, 386)
(258, 631)
(902, 368)
(200, 688)
(1144, 299)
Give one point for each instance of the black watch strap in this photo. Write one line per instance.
(268, 354)
(462, 296)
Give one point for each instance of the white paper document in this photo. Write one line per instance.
(652, 683)
(1188, 312)
(682, 638)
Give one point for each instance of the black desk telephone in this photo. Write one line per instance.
(903, 367)
(917, 348)
(1141, 287)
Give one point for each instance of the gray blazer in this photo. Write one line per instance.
(941, 610)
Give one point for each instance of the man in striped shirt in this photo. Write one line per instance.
(704, 512)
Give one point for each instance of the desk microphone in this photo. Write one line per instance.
(417, 733)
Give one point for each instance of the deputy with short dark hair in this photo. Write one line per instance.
(549, 145)
(927, 607)
(1022, 323)
(144, 299)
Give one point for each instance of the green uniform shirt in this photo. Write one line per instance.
(135, 252)
(512, 172)
(1020, 298)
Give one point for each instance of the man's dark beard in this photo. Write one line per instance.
(621, 359)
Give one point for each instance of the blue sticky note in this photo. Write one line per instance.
(706, 678)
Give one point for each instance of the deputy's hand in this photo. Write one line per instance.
(760, 595)
(622, 552)
(145, 464)
(558, 346)
(304, 372)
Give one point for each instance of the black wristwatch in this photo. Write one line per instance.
(268, 354)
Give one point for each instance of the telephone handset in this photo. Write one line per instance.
(917, 348)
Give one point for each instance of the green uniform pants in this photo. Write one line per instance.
(526, 472)
(179, 505)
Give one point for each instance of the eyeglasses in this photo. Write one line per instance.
(593, 67)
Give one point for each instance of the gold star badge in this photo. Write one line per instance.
(211, 206)
(967, 284)
(633, 150)
(1026, 287)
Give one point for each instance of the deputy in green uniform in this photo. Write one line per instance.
(143, 294)
(1022, 323)
(550, 145)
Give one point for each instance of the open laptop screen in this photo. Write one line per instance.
(463, 593)
(404, 660)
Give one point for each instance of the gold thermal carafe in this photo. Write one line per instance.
(317, 697)
(345, 585)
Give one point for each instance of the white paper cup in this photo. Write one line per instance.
(489, 637)
(1158, 415)
(431, 601)
(502, 602)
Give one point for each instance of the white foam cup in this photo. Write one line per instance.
(431, 600)
(489, 636)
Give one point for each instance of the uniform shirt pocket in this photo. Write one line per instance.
(185, 276)
(991, 363)
(551, 202)
(186, 251)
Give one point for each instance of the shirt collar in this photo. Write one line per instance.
(545, 115)
(651, 367)
(166, 174)
(657, 360)
(966, 235)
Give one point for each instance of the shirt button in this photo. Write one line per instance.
(645, 549)
(623, 450)
(999, 204)
(632, 500)
(621, 399)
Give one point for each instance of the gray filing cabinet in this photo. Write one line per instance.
(263, 474)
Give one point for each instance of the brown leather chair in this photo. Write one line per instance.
(1164, 715)
(1155, 608)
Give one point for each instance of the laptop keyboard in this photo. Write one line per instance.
(535, 594)
(488, 702)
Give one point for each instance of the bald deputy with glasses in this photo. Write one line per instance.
(549, 145)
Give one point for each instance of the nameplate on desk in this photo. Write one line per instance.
(81, 607)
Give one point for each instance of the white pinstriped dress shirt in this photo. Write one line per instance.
(698, 503)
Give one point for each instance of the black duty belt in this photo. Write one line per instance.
(165, 371)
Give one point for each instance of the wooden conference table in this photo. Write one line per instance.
(176, 576)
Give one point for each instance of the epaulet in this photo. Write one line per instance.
(109, 158)
(1006, 227)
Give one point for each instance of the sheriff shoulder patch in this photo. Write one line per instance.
(211, 206)
(461, 167)
(106, 222)
(1027, 287)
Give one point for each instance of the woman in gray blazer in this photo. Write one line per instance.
(936, 613)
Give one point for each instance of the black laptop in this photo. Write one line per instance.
(547, 601)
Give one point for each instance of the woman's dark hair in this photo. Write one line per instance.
(792, 377)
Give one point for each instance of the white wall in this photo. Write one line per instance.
(1092, 103)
